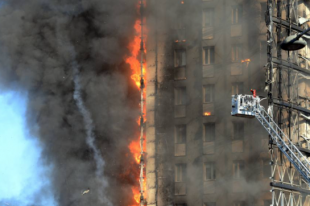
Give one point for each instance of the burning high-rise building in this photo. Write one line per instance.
(199, 53)
(100, 116)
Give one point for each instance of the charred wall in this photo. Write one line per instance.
(236, 149)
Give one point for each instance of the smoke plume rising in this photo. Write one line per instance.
(90, 138)
(34, 59)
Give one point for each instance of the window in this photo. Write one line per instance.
(237, 88)
(208, 17)
(263, 10)
(236, 14)
(208, 55)
(209, 132)
(236, 53)
(239, 204)
(266, 168)
(209, 171)
(238, 167)
(238, 130)
(179, 57)
(267, 202)
(180, 173)
(180, 96)
(209, 204)
(208, 93)
(180, 134)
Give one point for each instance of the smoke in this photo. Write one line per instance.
(90, 138)
(180, 25)
(89, 95)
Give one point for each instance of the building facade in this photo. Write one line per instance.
(199, 53)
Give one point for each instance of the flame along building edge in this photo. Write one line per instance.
(136, 60)
(142, 86)
(199, 53)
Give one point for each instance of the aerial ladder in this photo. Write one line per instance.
(249, 106)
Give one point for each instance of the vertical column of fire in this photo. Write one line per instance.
(141, 178)
(138, 66)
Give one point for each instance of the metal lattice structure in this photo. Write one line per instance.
(287, 84)
(249, 106)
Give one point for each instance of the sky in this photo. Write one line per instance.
(21, 174)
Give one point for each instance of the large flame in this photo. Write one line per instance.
(134, 61)
(134, 148)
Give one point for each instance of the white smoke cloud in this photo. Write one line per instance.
(90, 137)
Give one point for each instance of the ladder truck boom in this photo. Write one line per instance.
(249, 106)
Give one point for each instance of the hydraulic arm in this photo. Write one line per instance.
(249, 106)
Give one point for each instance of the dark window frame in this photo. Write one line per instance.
(208, 55)
(210, 171)
(238, 169)
(236, 14)
(180, 134)
(208, 93)
(238, 130)
(179, 57)
(237, 88)
(180, 96)
(180, 175)
(209, 132)
(236, 52)
(208, 17)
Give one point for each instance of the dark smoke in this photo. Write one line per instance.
(170, 22)
(34, 58)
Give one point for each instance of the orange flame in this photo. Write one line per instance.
(245, 60)
(207, 114)
(177, 41)
(134, 148)
(134, 61)
(136, 194)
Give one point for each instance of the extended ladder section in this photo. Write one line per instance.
(248, 105)
(293, 154)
